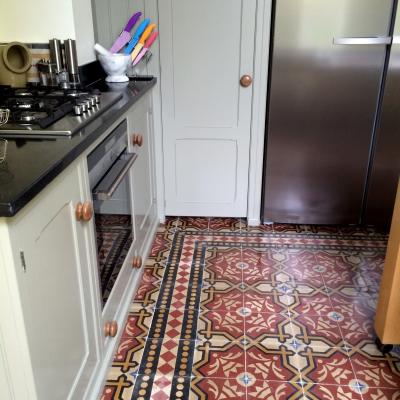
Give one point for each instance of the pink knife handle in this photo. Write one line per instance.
(151, 40)
(140, 56)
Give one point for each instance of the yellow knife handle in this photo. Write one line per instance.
(136, 51)
(146, 33)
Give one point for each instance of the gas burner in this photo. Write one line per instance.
(75, 93)
(23, 93)
(55, 93)
(30, 117)
(27, 103)
(51, 111)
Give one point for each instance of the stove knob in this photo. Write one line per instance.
(83, 106)
(78, 109)
(96, 98)
(92, 101)
(88, 104)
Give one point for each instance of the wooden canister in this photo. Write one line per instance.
(15, 61)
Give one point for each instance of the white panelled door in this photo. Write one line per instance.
(205, 48)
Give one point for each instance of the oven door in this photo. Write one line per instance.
(113, 215)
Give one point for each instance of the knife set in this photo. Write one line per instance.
(128, 49)
(136, 45)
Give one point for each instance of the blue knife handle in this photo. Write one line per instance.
(141, 28)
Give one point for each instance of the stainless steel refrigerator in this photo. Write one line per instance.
(333, 123)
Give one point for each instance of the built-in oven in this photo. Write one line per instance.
(109, 167)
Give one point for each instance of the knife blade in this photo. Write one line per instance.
(141, 28)
(142, 40)
(125, 35)
(146, 47)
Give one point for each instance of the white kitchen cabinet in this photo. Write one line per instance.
(140, 127)
(54, 307)
(145, 220)
(52, 342)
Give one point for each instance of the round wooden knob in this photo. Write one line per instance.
(107, 327)
(246, 80)
(78, 211)
(113, 328)
(84, 212)
(137, 140)
(137, 262)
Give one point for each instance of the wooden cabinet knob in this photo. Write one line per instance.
(111, 328)
(137, 140)
(84, 211)
(137, 262)
(246, 80)
(107, 326)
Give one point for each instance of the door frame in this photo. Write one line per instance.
(258, 114)
(259, 109)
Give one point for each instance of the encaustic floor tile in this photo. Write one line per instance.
(222, 359)
(317, 331)
(330, 392)
(220, 326)
(325, 366)
(226, 311)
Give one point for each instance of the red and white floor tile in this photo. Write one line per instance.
(226, 311)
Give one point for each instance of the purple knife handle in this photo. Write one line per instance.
(131, 23)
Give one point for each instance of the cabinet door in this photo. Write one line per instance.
(56, 289)
(205, 48)
(143, 186)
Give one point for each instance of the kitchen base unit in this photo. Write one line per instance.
(57, 336)
(49, 328)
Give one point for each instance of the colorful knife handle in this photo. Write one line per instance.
(131, 23)
(146, 33)
(136, 36)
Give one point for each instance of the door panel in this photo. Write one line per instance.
(205, 48)
(323, 99)
(144, 203)
(197, 154)
(56, 290)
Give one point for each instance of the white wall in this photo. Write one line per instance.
(38, 21)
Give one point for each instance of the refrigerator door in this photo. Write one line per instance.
(386, 160)
(322, 103)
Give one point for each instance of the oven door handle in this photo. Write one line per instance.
(110, 182)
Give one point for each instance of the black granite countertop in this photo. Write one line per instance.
(31, 164)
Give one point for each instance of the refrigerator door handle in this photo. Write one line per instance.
(396, 40)
(363, 40)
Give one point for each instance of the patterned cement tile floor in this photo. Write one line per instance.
(225, 311)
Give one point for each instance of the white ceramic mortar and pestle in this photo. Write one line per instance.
(115, 65)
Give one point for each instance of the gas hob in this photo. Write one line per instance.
(40, 111)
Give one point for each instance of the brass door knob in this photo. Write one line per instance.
(111, 328)
(84, 211)
(137, 140)
(137, 262)
(246, 80)
(107, 326)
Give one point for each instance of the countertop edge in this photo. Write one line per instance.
(11, 209)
